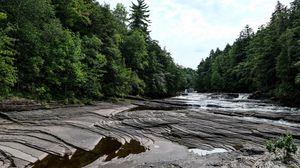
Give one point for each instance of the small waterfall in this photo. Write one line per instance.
(243, 96)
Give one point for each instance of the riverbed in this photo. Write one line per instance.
(195, 130)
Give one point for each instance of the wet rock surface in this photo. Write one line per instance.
(148, 133)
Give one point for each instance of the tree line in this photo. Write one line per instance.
(267, 61)
(65, 49)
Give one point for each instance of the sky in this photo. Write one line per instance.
(189, 29)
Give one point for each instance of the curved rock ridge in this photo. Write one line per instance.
(29, 136)
(203, 129)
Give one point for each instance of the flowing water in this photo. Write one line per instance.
(239, 102)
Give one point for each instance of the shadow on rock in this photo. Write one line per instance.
(107, 147)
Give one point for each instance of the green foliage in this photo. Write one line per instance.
(122, 19)
(3, 16)
(190, 76)
(117, 77)
(283, 145)
(93, 63)
(140, 17)
(297, 78)
(155, 80)
(266, 61)
(204, 74)
(79, 49)
(162, 76)
(8, 72)
(121, 13)
(134, 50)
(217, 81)
(63, 56)
(73, 14)
(137, 84)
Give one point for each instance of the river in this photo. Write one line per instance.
(239, 104)
(196, 130)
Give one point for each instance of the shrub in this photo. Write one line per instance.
(283, 146)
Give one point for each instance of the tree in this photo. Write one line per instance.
(121, 15)
(280, 17)
(217, 81)
(74, 14)
(8, 72)
(93, 66)
(140, 17)
(204, 74)
(49, 57)
(191, 76)
(295, 14)
(29, 18)
(297, 77)
(247, 33)
(155, 79)
(265, 61)
(239, 48)
(116, 78)
(134, 50)
(285, 69)
(62, 69)
(52, 49)
(265, 48)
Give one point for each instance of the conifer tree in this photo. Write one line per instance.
(140, 17)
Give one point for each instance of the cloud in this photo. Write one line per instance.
(190, 29)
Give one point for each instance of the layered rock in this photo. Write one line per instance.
(160, 128)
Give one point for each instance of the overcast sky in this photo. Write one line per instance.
(189, 29)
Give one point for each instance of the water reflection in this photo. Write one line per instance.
(108, 147)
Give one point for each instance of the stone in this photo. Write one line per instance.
(166, 128)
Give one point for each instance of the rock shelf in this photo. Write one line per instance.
(33, 138)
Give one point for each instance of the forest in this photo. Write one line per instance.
(80, 49)
(266, 61)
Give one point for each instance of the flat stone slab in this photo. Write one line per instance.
(30, 136)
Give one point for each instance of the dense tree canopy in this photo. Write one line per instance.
(7, 69)
(70, 49)
(265, 61)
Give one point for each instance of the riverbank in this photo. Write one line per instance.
(290, 101)
(147, 133)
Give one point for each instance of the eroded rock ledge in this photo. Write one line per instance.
(27, 137)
